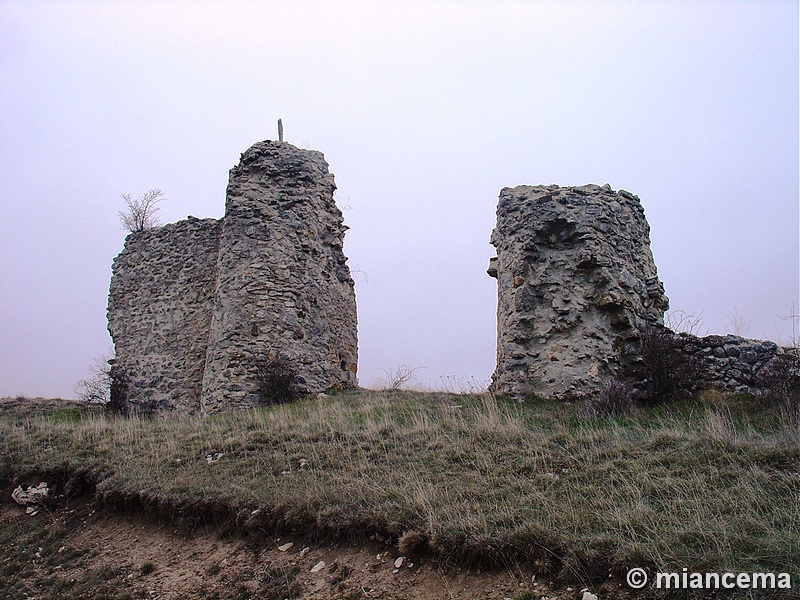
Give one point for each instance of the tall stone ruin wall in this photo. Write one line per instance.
(576, 284)
(193, 304)
(576, 280)
(159, 309)
(283, 282)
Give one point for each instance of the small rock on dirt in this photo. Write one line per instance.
(318, 567)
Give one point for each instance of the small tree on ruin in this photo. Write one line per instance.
(141, 211)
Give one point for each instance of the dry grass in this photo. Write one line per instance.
(472, 479)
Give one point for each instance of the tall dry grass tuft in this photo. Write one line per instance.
(718, 425)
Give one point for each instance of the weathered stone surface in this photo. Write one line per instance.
(283, 283)
(159, 311)
(576, 279)
(738, 372)
(192, 303)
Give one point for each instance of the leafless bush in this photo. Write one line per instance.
(108, 386)
(614, 399)
(794, 318)
(276, 378)
(141, 212)
(97, 388)
(681, 321)
(738, 324)
(668, 372)
(118, 403)
(779, 380)
(395, 380)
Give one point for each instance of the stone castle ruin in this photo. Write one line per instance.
(577, 285)
(194, 304)
(576, 280)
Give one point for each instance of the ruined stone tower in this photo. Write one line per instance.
(575, 278)
(192, 304)
(283, 283)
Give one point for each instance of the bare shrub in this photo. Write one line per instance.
(615, 398)
(108, 387)
(97, 388)
(681, 321)
(141, 212)
(738, 324)
(276, 379)
(779, 380)
(794, 318)
(395, 380)
(668, 372)
(119, 384)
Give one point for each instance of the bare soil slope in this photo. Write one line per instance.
(83, 550)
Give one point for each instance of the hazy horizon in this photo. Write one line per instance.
(424, 111)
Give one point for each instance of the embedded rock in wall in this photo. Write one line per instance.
(283, 283)
(576, 279)
(192, 304)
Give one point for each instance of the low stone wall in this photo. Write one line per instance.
(730, 362)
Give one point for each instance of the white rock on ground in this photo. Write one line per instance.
(33, 495)
(318, 567)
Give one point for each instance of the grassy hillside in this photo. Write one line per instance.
(712, 485)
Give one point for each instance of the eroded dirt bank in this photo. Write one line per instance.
(82, 549)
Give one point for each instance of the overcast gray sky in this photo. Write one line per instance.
(424, 110)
